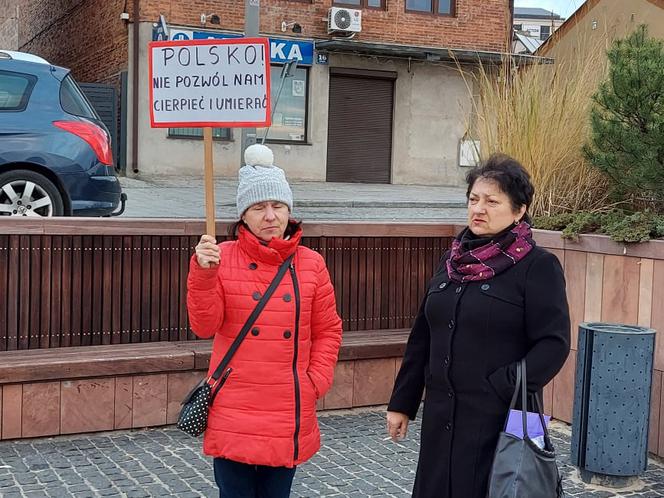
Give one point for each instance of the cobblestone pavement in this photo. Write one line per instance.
(182, 197)
(356, 461)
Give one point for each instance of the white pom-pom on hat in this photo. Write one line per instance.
(258, 155)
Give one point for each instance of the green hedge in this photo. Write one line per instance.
(619, 225)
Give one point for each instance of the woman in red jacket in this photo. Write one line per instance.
(263, 423)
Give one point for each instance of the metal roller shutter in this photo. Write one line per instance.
(359, 145)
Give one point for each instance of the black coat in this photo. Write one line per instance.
(464, 346)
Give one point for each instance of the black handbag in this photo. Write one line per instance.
(196, 405)
(521, 469)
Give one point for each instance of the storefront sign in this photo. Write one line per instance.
(209, 83)
(281, 49)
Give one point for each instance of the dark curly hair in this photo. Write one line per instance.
(511, 177)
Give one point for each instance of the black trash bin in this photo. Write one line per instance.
(612, 402)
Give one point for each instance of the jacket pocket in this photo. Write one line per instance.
(501, 292)
(313, 387)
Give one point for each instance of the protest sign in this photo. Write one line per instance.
(207, 84)
(199, 83)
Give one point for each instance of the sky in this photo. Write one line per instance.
(564, 8)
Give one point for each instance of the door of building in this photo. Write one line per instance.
(359, 141)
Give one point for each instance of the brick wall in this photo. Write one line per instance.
(86, 36)
(479, 24)
(89, 37)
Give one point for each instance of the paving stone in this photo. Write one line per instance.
(47, 478)
(156, 490)
(23, 479)
(356, 460)
(139, 494)
(34, 494)
(58, 493)
(110, 492)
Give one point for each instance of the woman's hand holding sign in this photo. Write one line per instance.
(208, 252)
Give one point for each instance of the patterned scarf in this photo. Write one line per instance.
(488, 260)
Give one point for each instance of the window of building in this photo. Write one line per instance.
(289, 122)
(217, 133)
(443, 7)
(369, 4)
(15, 90)
(545, 32)
(518, 27)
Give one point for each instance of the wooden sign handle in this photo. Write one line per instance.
(209, 182)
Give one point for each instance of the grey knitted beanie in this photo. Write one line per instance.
(260, 180)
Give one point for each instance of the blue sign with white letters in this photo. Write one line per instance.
(282, 50)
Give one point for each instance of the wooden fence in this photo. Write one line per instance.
(617, 283)
(78, 282)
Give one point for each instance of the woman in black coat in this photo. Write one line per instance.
(495, 299)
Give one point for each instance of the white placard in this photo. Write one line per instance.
(469, 152)
(215, 83)
(298, 88)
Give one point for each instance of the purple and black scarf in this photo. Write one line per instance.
(468, 262)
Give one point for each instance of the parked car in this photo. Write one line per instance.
(55, 153)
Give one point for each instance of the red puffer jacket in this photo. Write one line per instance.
(265, 414)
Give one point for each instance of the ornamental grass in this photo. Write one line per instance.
(539, 114)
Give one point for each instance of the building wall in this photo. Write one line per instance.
(421, 153)
(479, 24)
(9, 24)
(610, 19)
(89, 37)
(432, 113)
(84, 35)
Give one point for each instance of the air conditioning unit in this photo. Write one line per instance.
(344, 20)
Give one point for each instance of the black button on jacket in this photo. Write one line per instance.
(519, 313)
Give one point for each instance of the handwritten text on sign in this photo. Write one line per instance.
(197, 83)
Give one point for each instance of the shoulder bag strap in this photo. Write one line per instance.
(252, 318)
(515, 395)
(524, 404)
(524, 398)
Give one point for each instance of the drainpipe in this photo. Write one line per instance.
(134, 84)
(510, 27)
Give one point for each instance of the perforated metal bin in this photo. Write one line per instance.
(612, 399)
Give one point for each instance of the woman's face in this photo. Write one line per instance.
(490, 210)
(267, 220)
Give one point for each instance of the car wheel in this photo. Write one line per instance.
(26, 193)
